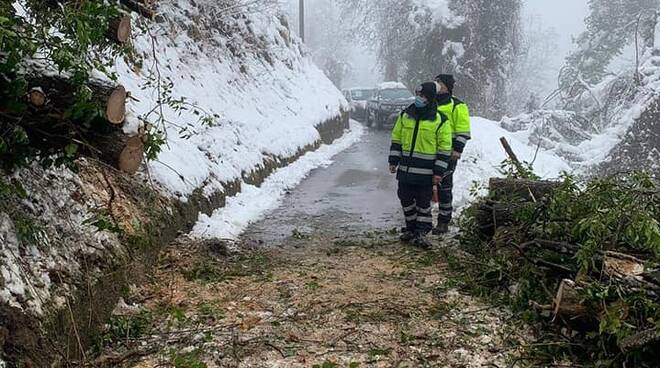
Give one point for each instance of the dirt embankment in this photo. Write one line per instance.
(74, 242)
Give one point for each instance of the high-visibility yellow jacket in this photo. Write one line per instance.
(459, 115)
(421, 147)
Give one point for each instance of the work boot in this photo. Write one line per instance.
(420, 241)
(441, 229)
(407, 236)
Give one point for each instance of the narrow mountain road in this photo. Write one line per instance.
(354, 194)
(320, 282)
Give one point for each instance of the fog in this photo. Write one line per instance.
(562, 19)
(566, 17)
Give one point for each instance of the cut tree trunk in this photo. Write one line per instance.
(37, 97)
(121, 151)
(491, 215)
(61, 95)
(506, 197)
(52, 124)
(142, 7)
(618, 265)
(119, 30)
(567, 305)
(525, 189)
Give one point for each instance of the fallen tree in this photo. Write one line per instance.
(582, 255)
(56, 95)
(88, 120)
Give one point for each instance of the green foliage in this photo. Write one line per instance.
(120, 328)
(189, 360)
(67, 36)
(612, 213)
(619, 213)
(102, 220)
(518, 170)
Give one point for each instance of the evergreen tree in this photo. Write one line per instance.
(610, 26)
(493, 44)
(481, 52)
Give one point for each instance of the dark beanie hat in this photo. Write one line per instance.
(427, 90)
(448, 80)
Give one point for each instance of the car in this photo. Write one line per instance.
(387, 102)
(357, 98)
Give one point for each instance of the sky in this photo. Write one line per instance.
(565, 16)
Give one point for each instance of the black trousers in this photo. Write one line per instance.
(416, 203)
(445, 197)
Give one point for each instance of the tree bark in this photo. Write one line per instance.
(141, 7)
(124, 152)
(61, 94)
(529, 190)
(119, 30)
(52, 124)
(567, 305)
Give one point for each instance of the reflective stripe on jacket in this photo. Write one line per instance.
(421, 148)
(459, 115)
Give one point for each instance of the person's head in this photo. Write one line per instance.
(445, 83)
(425, 94)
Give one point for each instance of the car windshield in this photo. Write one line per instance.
(361, 94)
(393, 94)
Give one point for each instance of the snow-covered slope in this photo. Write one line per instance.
(615, 127)
(241, 64)
(484, 154)
(236, 61)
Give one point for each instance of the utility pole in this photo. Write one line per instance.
(301, 18)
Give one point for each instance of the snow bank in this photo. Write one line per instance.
(615, 126)
(253, 202)
(484, 155)
(243, 66)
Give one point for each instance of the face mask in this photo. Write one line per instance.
(420, 101)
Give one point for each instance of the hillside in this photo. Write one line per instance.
(235, 96)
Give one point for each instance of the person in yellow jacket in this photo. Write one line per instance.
(420, 155)
(459, 116)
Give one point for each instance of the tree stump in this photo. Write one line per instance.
(524, 189)
(119, 30)
(567, 305)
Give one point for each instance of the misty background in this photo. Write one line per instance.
(333, 38)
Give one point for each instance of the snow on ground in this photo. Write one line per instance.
(247, 68)
(253, 202)
(484, 154)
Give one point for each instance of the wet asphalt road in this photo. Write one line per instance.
(353, 195)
